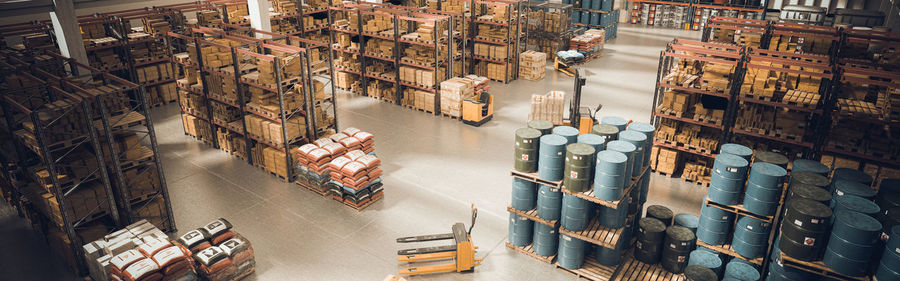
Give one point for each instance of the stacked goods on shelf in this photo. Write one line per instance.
(803, 39)
(156, 24)
(453, 92)
(37, 41)
(235, 13)
(548, 107)
(743, 32)
(587, 45)
(549, 27)
(208, 18)
(139, 251)
(219, 253)
(532, 65)
(343, 165)
(868, 47)
(499, 30)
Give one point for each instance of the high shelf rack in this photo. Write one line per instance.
(549, 27)
(691, 14)
(744, 32)
(488, 33)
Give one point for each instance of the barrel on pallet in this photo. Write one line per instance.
(688, 221)
(714, 225)
(727, 179)
(852, 242)
(614, 217)
(520, 230)
(596, 4)
(751, 237)
(706, 259)
(544, 126)
(609, 175)
(855, 203)
(851, 175)
(577, 174)
(889, 266)
(843, 187)
(568, 132)
(607, 256)
(576, 16)
(628, 149)
(639, 140)
(610, 132)
(737, 150)
(614, 121)
(546, 240)
(595, 141)
(810, 178)
(650, 239)
(803, 229)
(647, 130)
(575, 213)
(738, 269)
(526, 151)
(811, 192)
(771, 158)
(571, 252)
(699, 273)
(551, 157)
(549, 202)
(586, 4)
(778, 272)
(662, 213)
(524, 194)
(677, 248)
(805, 165)
(595, 19)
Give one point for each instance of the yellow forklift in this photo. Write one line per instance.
(478, 110)
(462, 251)
(582, 118)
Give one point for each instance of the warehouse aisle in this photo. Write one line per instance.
(434, 169)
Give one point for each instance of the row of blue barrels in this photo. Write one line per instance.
(605, 5)
(594, 18)
(762, 190)
(716, 267)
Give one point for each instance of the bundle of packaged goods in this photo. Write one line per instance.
(548, 107)
(589, 44)
(345, 164)
(138, 252)
(532, 65)
(457, 89)
(219, 253)
(418, 99)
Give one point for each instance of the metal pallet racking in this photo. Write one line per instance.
(543, 35)
(515, 15)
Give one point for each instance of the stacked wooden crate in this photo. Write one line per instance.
(532, 65)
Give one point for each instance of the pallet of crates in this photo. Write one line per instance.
(425, 60)
(497, 39)
(192, 98)
(742, 32)
(804, 39)
(459, 29)
(691, 106)
(380, 29)
(105, 50)
(703, 12)
(69, 191)
(871, 48)
(346, 47)
(148, 57)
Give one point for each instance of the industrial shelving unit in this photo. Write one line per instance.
(743, 32)
(549, 35)
(511, 42)
(804, 39)
(695, 13)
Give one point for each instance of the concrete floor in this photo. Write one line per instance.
(434, 169)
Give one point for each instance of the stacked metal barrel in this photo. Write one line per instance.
(727, 179)
(678, 246)
(650, 238)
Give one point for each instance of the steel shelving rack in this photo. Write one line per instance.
(544, 36)
(515, 15)
(694, 18)
(738, 27)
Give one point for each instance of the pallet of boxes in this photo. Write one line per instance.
(138, 252)
(532, 65)
(344, 166)
(548, 107)
(455, 90)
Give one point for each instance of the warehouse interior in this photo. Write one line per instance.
(435, 165)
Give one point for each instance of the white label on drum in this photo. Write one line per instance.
(567, 238)
(839, 193)
(732, 170)
(559, 153)
(798, 222)
(724, 218)
(750, 227)
(672, 246)
(573, 174)
(718, 171)
(526, 141)
(681, 258)
(815, 221)
(524, 157)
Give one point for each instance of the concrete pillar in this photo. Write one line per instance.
(259, 16)
(68, 34)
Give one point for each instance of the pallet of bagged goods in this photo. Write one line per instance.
(344, 166)
(138, 252)
(218, 252)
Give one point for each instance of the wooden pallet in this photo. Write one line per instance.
(592, 270)
(726, 249)
(818, 268)
(635, 270)
(317, 189)
(597, 234)
(697, 182)
(756, 97)
(450, 116)
(737, 209)
(533, 177)
(660, 110)
(362, 205)
(532, 215)
(529, 250)
(122, 121)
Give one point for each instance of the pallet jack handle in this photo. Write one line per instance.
(474, 215)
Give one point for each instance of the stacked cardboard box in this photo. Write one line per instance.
(208, 18)
(423, 55)
(494, 33)
(417, 76)
(347, 61)
(284, 7)
(418, 99)
(696, 170)
(154, 73)
(196, 127)
(790, 124)
(236, 12)
(381, 90)
(347, 81)
(271, 132)
(377, 24)
(494, 71)
(677, 103)
(532, 65)
(716, 76)
(380, 48)
(213, 56)
(156, 24)
(104, 59)
(789, 43)
(756, 117)
(548, 107)
(381, 69)
(312, 22)
(667, 160)
(714, 116)
(453, 92)
(231, 142)
(92, 31)
(137, 243)
(496, 52)
(87, 201)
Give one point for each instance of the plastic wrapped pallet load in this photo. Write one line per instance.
(453, 92)
(548, 107)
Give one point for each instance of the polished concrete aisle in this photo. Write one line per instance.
(435, 168)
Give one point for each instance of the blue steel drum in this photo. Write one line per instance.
(614, 217)
(628, 149)
(893, 243)
(609, 176)
(856, 203)
(885, 273)
(688, 221)
(804, 165)
(851, 175)
(616, 121)
(524, 194)
(722, 196)
(596, 4)
(851, 250)
(752, 230)
(764, 193)
(705, 258)
(747, 249)
(727, 184)
(715, 219)
(551, 157)
(844, 265)
(890, 259)
(731, 167)
(645, 188)
(737, 150)
(647, 130)
(576, 16)
(575, 214)
(607, 256)
(595, 141)
(546, 240)
(568, 132)
(549, 202)
(760, 207)
(520, 230)
(585, 17)
(571, 252)
(711, 237)
(844, 187)
(856, 227)
(767, 175)
(781, 273)
(586, 4)
(738, 269)
(639, 140)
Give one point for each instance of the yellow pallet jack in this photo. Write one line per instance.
(462, 251)
(563, 67)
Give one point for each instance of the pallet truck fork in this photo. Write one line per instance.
(462, 251)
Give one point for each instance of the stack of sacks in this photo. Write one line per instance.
(355, 177)
(313, 159)
(156, 259)
(99, 254)
(220, 253)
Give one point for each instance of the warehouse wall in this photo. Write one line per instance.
(90, 8)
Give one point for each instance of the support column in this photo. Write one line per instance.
(68, 34)
(259, 16)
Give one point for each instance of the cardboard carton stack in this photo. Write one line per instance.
(155, 72)
(714, 116)
(219, 252)
(290, 67)
(495, 52)
(270, 131)
(284, 7)
(677, 103)
(140, 251)
(788, 43)
(716, 76)
(92, 31)
(790, 124)
(381, 90)
(105, 59)
(494, 71)
(418, 76)
(756, 118)
(666, 160)
(347, 81)
(532, 65)
(548, 107)
(380, 48)
(419, 99)
(156, 24)
(381, 69)
(209, 18)
(453, 92)
(89, 200)
(347, 61)
(377, 24)
(236, 12)
(422, 55)
(312, 22)
(196, 127)
(591, 42)
(697, 171)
